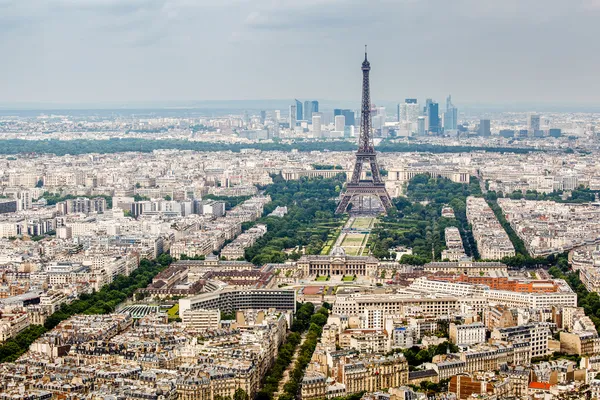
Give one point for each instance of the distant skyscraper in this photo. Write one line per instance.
(426, 108)
(397, 112)
(310, 107)
(292, 116)
(554, 132)
(307, 110)
(533, 122)
(433, 118)
(450, 115)
(277, 115)
(316, 126)
(421, 126)
(263, 117)
(484, 127)
(299, 113)
(409, 111)
(340, 123)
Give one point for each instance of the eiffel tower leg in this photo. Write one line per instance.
(341, 208)
(386, 202)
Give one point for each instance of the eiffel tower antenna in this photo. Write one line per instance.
(357, 188)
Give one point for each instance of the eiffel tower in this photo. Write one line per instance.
(357, 188)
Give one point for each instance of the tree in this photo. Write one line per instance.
(240, 394)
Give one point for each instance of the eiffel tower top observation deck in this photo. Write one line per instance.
(361, 189)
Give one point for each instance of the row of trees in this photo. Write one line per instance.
(316, 323)
(590, 301)
(512, 235)
(117, 145)
(311, 205)
(101, 302)
(53, 198)
(230, 201)
(270, 382)
(579, 195)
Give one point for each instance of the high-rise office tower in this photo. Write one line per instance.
(299, 113)
(316, 126)
(310, 107)
(263, 117)
(484, 127)
(421, 126)
(426, 108)
(350, 117)
(533, 122)
(398, 112)
(433, 117)
(307, 110)
(409, 111)
(277, 115)
(340, 123)
(292, 116)
(450, 115)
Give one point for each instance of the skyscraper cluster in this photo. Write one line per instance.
(302, 112)
(426, 120)
(349, 118)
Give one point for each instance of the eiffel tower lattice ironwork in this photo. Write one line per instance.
(359, 188)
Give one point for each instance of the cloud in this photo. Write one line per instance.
(152, 49)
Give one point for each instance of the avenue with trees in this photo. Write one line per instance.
(103, 301)
(305, 320)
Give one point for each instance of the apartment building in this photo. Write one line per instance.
(467, 334)
(536, 334)
(201, 319)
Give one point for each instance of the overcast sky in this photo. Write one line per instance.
(489, 51)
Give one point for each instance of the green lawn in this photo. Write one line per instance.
(351, 251)
(348, 278)
(362, 223)
(174, 311)
(353, 240)
(322, 278)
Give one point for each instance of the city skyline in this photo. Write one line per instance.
(156, 51)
